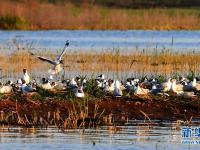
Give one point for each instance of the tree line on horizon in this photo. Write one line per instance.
(130, 3)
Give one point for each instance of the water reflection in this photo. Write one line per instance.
(106, 137)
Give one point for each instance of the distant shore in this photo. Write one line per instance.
(34, 15)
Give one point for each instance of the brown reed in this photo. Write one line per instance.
(163, 63)
(40, 15)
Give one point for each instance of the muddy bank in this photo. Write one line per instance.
(74, 113)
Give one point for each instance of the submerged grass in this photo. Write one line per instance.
(88, 112)
(163, 63)
(46, 108)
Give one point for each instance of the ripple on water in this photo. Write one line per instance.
(106, 137)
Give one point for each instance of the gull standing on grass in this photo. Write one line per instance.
(25, 89)
(79, 92)
(25, 76)
(117, 90)
(5, 88)
(47, 84)
(56, 63)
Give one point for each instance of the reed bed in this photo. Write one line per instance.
(133, 64)
(73, 113)
(35, 15)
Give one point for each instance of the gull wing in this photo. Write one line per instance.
(63, 51)
(44, 59)
(47, 60)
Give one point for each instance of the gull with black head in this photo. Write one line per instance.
(56, 63)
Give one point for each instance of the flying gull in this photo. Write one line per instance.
(56, 63)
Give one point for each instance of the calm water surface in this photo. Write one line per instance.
(103, 40)
(122, 137)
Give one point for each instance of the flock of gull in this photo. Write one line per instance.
(116, 88)
(112, 87)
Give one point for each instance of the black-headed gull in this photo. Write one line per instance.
(177, 88)
(57, 62)
(25, 76)
(155, 90)
(79, 92)
(117, 90)
(166, 86)
(109, 86)
(195, 85)
(6, 88)
(46, 84)
(141, 91)
(26, 88)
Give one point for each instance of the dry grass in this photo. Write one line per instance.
(135, 63)
(36, 15)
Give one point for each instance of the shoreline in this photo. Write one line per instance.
(88, 29)
(23, 110)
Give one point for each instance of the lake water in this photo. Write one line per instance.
(98, 41)
(85, 40)
(106, 137)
